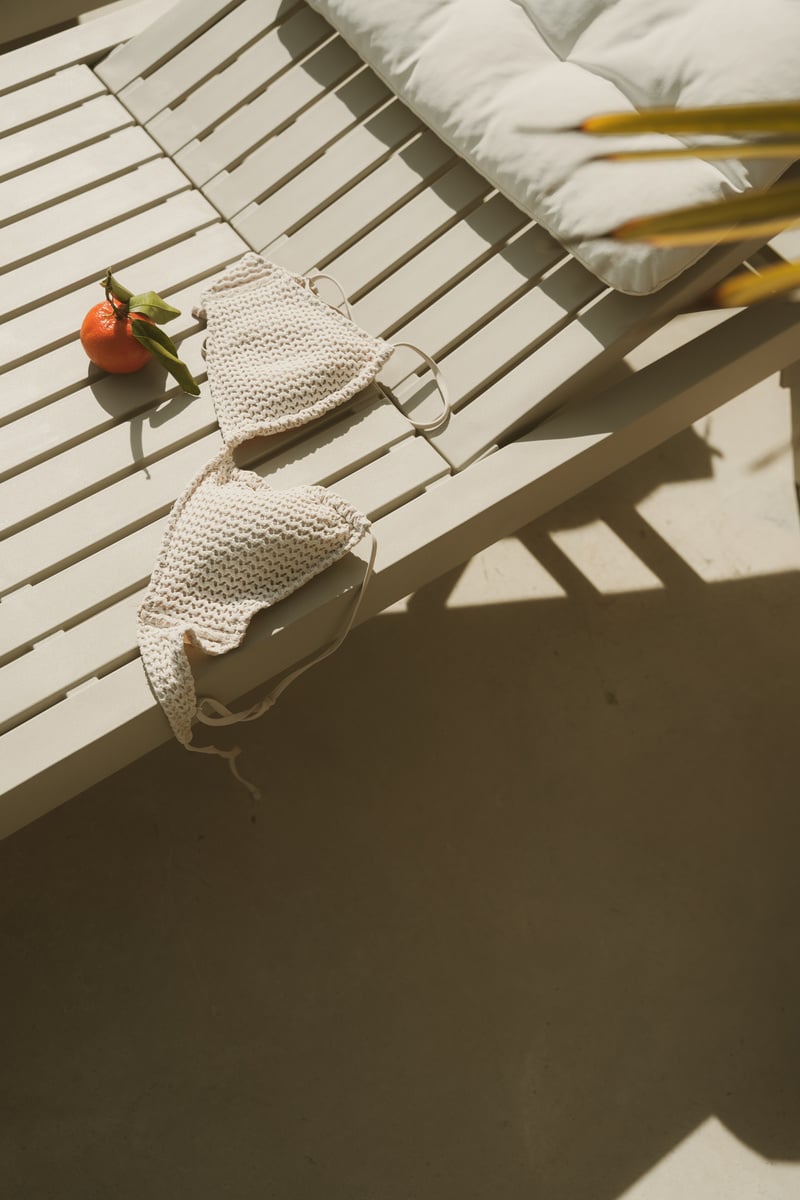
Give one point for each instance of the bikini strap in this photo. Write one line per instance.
(212, 712)
(441, 386)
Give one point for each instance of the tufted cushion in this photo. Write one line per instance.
(494, 77)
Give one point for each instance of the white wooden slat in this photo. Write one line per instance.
(297, 145)
(518, 329)
(517, 397)
(352, 156)
(108, 637)
(322, 456)
(47, 97)
(72, 173)
(85, 468)
(57, 321)
(174, 120)
(405, 471)
(66, 220)
(58, 753)
(33, 611)
(251, 74)
(573, 360)
(102, 517)
(163, 36)
(464, 309)
(49, 139)
(407, 229)
(87, 586)
(82, 43)
(350, 216)
(53, 373)
(87, 258)
(458, 252)
(103, 401)
(248, 127)
(55, 666)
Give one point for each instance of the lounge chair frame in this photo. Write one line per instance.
(228, 125)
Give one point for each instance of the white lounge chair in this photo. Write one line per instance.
(228, 126)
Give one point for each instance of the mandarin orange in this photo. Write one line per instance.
(109, 341)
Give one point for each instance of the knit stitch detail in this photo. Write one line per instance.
(232, 547)
(277, 355)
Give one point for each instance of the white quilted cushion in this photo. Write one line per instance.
(485, 73)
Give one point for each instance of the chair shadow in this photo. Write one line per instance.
(516, 916)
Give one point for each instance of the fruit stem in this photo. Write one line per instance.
(120, 310)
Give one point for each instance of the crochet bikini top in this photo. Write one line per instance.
(278, 356)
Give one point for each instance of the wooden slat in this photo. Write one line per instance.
(573, 360)
(297, 145)
(32, 612)
(515, 397)
(406, 471)
(140, 189)
(162, 37)
(85, 261)
(115, 452)
(173, 122)
(104, 400)
(74, 172)
(519, 328)
(248, 127)
(96, 520)
(93, 647)
(85, 42)
(51, 669)
(335, 171)
(47, 97)
(49, 375)
(469, 291)
(353, 214)
(323, 455)
(50, 139)
(462, 289)
(78, 591)
(406, 230)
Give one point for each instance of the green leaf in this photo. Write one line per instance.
(752, 214)
(783, 117)
(768, 148)
(162, 346)
(151, 305)
(114, 286)
(749, 288)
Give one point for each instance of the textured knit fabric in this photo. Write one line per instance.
(233, 546)
(278, 356)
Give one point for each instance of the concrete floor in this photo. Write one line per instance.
(517, 918)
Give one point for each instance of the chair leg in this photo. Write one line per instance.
(790, 379)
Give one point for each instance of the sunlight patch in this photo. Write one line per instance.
(711, 1164)
(504, 573)
(609, 564)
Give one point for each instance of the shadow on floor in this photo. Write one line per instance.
(517, 915)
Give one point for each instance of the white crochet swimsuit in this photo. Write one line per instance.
(277, 357)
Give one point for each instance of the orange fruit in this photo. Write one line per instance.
(109, 341)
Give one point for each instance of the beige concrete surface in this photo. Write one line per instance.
(517, 918)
